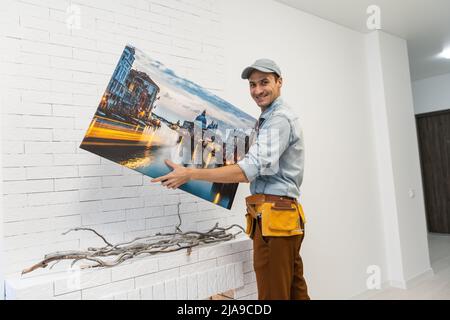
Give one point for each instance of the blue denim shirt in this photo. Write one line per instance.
(274, 162)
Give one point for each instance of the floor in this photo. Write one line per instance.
(434, 288)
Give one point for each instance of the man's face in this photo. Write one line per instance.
(264, 88)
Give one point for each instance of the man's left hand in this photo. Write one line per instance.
(179, 176)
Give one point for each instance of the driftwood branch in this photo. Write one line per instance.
(112, 255)
(89, 229)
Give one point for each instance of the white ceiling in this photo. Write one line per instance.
(425, 24)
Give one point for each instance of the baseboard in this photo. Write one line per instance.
(441, 264)
(399, 284)
(414, 281)
(368, 294)
(405, 285)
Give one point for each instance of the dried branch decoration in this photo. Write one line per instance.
(112, 255)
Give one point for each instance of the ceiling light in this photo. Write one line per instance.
(445, 53)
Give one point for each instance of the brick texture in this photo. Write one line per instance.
(56, 59)
(148, 278)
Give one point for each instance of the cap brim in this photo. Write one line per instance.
(248, 71)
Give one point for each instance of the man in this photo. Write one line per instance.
(274, 168)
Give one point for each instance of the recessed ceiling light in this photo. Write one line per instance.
(445, 53)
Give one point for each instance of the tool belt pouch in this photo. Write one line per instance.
(250, 229)
(251, 221)
(280, 220)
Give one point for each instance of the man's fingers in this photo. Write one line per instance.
(162, 178)
(171, 183)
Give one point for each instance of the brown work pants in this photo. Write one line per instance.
(278, 267)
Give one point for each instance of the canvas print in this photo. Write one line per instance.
(148, 114)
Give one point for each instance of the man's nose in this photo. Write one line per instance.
(257, 91)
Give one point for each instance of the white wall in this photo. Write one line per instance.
(405, 157)
(400, 182)
(431, 94)
(2, 85)
(55, 76)
(325, 82)
(2, 262)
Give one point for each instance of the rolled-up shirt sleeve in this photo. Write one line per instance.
(263, 156)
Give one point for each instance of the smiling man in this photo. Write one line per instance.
(274, 168)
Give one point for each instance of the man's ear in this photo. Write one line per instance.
(280, 81)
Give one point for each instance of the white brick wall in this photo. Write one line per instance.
(54, 77)
(172, 276)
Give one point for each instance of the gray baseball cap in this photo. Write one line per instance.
(263, 65)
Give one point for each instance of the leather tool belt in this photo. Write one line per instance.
(279, 216)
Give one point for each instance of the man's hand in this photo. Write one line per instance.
(179, 176)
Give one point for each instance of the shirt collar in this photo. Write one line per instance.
(271, 107)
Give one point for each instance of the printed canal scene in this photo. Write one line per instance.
(148, 114)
